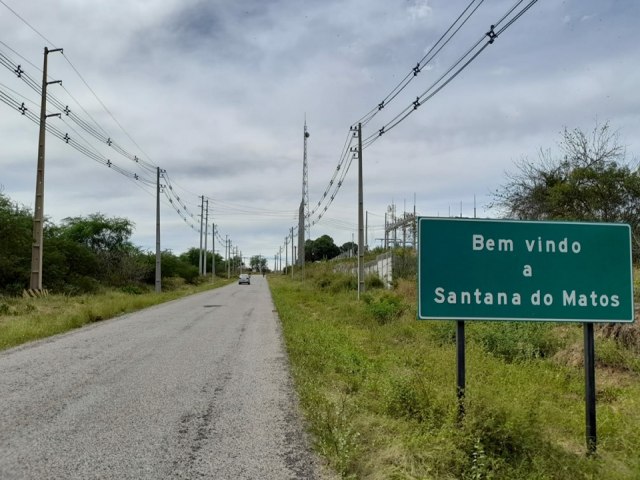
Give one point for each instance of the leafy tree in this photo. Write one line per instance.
(99, 233)
(16, 224)
(349, 247)
(119, 261)
(258, 263)
(590, 181)
(322, 248)
(192, 257)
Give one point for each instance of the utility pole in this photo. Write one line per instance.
(226, 251)
(286, 252)
(293, 254)
(159, 172)
(213, 248)
(206, 235)
(201, 221)
(366, 231)
(38, 213)
(360, 217)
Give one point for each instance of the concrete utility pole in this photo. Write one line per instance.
(35, 282)
(293, 254)
(206, 235)
(213, 249)
(360, 217)
(286, 252)
(227, 246)
(201, 222)
(366, 230)
(159, 172)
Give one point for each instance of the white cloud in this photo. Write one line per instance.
(216, 92)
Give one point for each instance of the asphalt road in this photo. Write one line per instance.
(195, 388)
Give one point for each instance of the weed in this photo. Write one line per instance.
(379, 394)
(134, 289)
(514, 341)
(384, 307)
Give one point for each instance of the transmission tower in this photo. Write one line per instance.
(305, 183)
(304, 220)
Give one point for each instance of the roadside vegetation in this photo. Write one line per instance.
(378, 389)
(91, 272)
(25, 319)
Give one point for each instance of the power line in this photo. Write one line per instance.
(452, 72)
(424, 61)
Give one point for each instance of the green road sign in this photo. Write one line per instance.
(472, 269)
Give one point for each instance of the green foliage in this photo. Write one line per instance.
(380, 397)
(336, 282)
(336, 436)
(26, 319)
(322, 248)
(15, 246)
(413, 397)
(82, 255)
(514, 341)
(98, 233)
(373, 281)
(384, 306)
(258, 263)
(588, 181)
(349, 247)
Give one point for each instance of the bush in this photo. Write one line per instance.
(413, 398)
(516, 340)
(384, 307)
(373, 281)
(134, 289)
(336, 282)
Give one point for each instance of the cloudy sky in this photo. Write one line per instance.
(216, 92)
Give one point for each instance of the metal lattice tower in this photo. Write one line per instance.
(304, 225)
(305, 184)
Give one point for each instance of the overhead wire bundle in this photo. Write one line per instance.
(487, 38)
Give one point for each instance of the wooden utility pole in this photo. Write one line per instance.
(35, 282)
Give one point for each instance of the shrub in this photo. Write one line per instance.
(384, 307)
(134, 289)
(373, 281)
(414, 399)
(516, 340)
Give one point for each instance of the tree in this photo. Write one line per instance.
(321, 248)
(16, 225)
(349, 247)
(120, 262)
(258, 263)
(99, 233)
(589, 181)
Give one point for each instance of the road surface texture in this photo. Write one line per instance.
(195, 388)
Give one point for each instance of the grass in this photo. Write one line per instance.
(378, 390)
(26, 319)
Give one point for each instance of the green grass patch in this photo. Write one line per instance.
(378, 390)
(25, 319)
